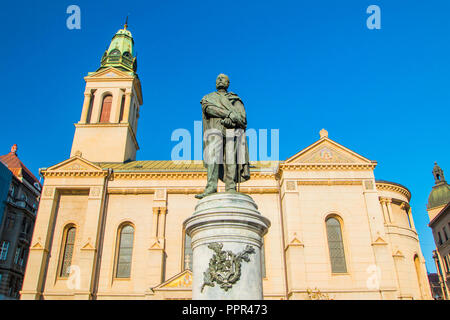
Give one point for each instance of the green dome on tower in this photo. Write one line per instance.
(440, 194)
(120, 53)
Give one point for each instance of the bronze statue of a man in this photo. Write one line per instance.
(225, 154)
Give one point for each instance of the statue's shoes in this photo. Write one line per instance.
(204, 194)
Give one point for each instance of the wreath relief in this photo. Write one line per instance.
(225, 266)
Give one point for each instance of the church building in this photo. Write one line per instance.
(111, 227)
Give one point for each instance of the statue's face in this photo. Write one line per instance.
(222, 82)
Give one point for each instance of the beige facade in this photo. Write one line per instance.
(322, 200)
(297, 195)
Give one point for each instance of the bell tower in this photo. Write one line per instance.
(107, 129)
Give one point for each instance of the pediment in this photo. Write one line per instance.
(379, 241)
(327, 151)
(75, 163)
(398, 254)
(182, 280)
(109, 73)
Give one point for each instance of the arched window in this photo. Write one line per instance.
(187, 252)
(68, 246)
(106, 108)
(418, 273)
(336, 245)
(124, 251)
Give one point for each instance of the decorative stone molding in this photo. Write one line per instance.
(316, 294)
(75, 173)
(368, 185)
(160, 194)
(156, 244)
(88, 246)
(291, 186)
(187, 190)
(294, 242)
(225, 266)
(180, 175)
(379, 241)
(94, 192)
(49, 192)
(327, 166)
(384, 186)
(329, 182)
(398, 254)
(38, 246)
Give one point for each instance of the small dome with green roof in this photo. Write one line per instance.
(440, 195)
(120, 53)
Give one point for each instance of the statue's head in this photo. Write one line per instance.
(222, 81)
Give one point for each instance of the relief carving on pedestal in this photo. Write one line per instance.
(225, 266)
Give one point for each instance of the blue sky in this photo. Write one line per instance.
(299, 66)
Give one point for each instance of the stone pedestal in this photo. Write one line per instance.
(226, 231)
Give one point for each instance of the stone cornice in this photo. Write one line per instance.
(187, 190)
(74, 173)
(179, 175)
(329, 182)
(327, 166)
(385, 186)
(143, 175)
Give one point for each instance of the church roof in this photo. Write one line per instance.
(178, 166)
(439, 196)
(120, 53)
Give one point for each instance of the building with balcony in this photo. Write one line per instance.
(18, 214)
(438, 208)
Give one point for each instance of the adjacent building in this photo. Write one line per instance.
(18, 214)
(111, 227)
(438, 208)
(436, 286)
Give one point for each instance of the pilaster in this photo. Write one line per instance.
(86, 104)
(38, 257)
(294, 247)
(90, 240)
(126, 110)
(381, 248)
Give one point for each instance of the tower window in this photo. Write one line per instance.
(106, 109)
(336, 246)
